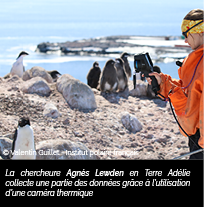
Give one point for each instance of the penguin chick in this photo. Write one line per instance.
(122, 78)
(23, 146)
(128, 71)
(109, 79)
(94, 75)
(18, 68)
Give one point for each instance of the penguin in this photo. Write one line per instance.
(23, 146)
(18, 68)
(54, 74)
(94, 75)
(122, 78)
(109, 79)
(128, 71)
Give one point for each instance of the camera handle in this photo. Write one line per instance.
(134, 79)
(155, 85)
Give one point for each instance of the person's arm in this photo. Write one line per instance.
(166, 83)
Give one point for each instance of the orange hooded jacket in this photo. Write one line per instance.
(187, 99)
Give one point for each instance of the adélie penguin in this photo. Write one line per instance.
(18, 68)
(94, 75)
(23, 146)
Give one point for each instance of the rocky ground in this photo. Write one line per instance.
(100, 130)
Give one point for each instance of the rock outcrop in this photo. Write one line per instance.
(36, 85)
(37, 71)
(51, 111)
(13, 79)
(130, 122)
(116, 45)
(77, 94)
(5, 147)
(1, 80)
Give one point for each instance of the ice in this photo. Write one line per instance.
(155, 41)
(63, 59)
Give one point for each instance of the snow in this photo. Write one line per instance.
(154, 41)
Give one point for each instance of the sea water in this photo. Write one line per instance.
(24, 24)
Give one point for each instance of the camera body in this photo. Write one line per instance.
(143, 64)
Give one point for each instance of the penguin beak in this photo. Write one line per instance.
(25, 54)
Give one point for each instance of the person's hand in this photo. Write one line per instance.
(157, 76)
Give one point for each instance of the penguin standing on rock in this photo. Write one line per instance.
(18, 68)
(94, 75)
(23, 146)
(128, 71)
(122, 78)
(109, 79)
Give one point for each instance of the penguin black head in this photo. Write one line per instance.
(120, 61)
(110, 62)
(22, 53)
(23, 121)
(96, 64)
(54, 73)
(124, 55)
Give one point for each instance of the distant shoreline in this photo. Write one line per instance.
(112, 45)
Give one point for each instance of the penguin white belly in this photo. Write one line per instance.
(24, 145)
(107, 86)
(121, 84)
(115, 86)
(17, 69)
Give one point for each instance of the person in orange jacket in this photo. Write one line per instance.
(186, 94)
